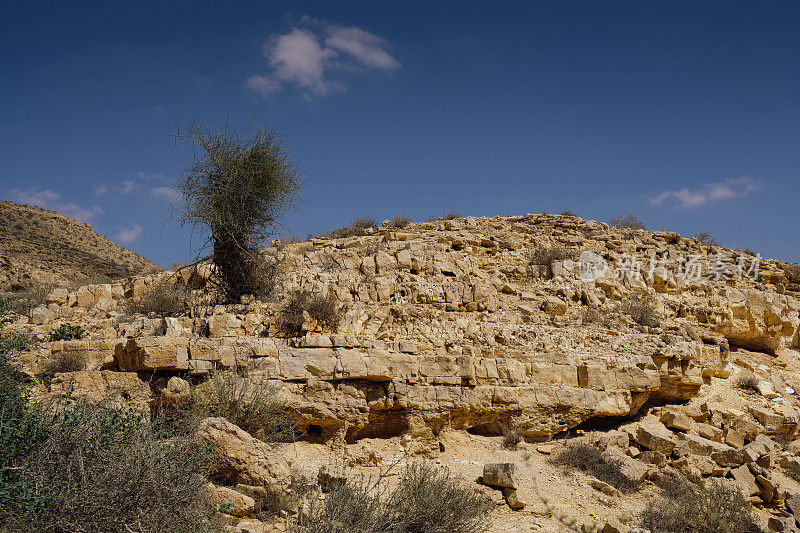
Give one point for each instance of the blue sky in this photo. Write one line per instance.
(685, 113)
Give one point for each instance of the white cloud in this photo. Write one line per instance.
(263, 85)
(305, 57)
(47, 199)
(166, 193)
(363, 46)
(129, 234)
(708, 192)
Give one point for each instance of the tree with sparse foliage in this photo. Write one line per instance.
(237, 188)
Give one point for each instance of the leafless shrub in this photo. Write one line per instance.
(321, 308)
(512, 436)
(426, 500)
(360, 226)
(629, 221)
(401, 221)
(594, 461)
(641, 310)
(706, 239)
(64, 361)
(451, 216)
(166, 297)
(545, 256)
(21, 302)
(792, 271)
(253, 405)
(748, 383)
(708, 507)
(568, 213)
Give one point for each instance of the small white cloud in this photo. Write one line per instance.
(129, 234)
(263, 85)
(363, 46)
(166, 193)
(708, 192)
(47, 199)
(305, 57)
(127, 187)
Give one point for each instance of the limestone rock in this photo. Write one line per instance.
(240, 458)
(500, 475)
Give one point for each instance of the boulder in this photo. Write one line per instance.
(500, 475)
(240, 458)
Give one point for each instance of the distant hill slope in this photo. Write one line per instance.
(40, 246)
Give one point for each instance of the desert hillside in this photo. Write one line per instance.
(565, 369)
(38, 246)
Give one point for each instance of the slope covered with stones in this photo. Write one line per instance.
(38, 247)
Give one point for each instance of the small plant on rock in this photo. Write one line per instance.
(792, 271)
(360, 226)
(165, 297)
(706, 239)
(748, 383)
(629, 221)
(323, 309)
(641, 310)
(401, 221)
(251, 404)
(66, 332)
(64, 361)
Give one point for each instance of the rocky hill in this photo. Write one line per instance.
(38, 247)
(478, 341)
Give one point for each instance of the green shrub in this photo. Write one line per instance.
(66, 332)
(426, 500)
(253, 405)
(704, 507)
(597, 463)
(641, 310)
(323, 309)
(165, 297)
(629, 221)
(66, 467)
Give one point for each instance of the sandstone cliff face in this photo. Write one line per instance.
(449, 325)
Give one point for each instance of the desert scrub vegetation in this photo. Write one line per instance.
(63, 361)
(66, 332)
(401, 221)
(748, 383)
(641, 310)
(792, 271)
(236, 190)
(593, 461)
(251, 404)
(426, 499)
(358, 228)
(544, 256)
(322, 308)
(629, 221)
(705, 238)
(68, 467)
(165, 297)
(702, 507)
